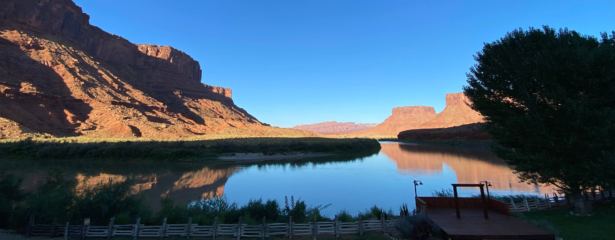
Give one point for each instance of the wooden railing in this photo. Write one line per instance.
(189, 230)
(464, 202)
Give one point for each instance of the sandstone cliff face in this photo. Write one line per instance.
(335, 127)
(456, 113)
(402, 118)
(66, 19)
(61, 76)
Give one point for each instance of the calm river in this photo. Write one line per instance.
(384, 179)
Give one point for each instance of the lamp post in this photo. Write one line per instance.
(416, 183)
(487, 184)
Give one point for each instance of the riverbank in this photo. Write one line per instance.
(180, 150)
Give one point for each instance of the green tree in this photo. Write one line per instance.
(548, 98)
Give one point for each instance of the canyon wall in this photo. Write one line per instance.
(64, 18)
(61, 76)
(334, 127)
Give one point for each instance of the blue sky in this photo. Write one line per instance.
(293, 62)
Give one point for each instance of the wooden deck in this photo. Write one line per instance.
(473, 225)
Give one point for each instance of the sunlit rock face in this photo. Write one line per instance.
(402, 118)
(334, 127)
(61, 76)
(456, 113)
(470, 165)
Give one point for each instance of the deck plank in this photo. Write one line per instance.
(473, 225)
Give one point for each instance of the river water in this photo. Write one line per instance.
(384, 179)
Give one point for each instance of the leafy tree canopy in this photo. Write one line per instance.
(548, 98)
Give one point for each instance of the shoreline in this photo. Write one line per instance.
(259, 157)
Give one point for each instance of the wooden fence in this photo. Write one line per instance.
(555, 201)
(190, 230)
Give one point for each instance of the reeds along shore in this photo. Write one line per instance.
(58, 199)
(177, 150)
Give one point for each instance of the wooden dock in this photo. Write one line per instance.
(473, 225)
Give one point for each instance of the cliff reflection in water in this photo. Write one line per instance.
(183, 186)
(471, 165)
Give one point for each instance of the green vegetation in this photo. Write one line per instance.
(549, 100)
(566, 225)
(60, 198)
(178, 150)
(442, 193)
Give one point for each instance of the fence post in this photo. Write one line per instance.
(602, 193)
(556, 198)
(66, 231)
(548, 200)
(163, 230)
(84, 229)
(383, 222)
(526, 204)
(335, 227)
(52, 233)
(315, 230)
(239, 229)
(30, 226)
(215, 228)
(264, 228)
(135, 229)
(110, 229)
(290, 227)
(513, 204)
(360, 225)
(189, 228)
(537, 203)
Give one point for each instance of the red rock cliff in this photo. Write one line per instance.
(60, 76)
(402, 118)
(456, 113)
(66, 19)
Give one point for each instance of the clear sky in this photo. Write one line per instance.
(293, 62)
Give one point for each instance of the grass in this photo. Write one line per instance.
(366, 236)
(569, 227)
(81, 148)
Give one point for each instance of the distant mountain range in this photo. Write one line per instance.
(410, 118)
(335, 127)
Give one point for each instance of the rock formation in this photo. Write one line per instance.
(456, 113)
(402, 118)
(334, 127)
(61, 76)
(456, 122)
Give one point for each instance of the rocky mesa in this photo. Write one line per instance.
(456, 122)
(456, 113)
(61, 76)
(335, 127)
(402, 118)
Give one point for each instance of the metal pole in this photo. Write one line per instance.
(485, 208)
(456, 202)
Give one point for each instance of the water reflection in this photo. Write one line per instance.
(470, 165)
(353, 183)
